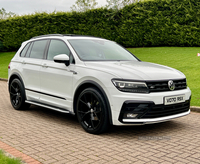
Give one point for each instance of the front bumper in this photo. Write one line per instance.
(151, 103)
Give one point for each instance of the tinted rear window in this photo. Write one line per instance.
(23, 52)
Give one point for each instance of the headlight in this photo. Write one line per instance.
(128, 86)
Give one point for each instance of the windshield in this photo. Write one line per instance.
(100, 50)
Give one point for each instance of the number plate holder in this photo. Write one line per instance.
(174, 99)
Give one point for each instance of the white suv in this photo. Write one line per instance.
(96, 79)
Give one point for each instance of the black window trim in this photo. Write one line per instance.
(46, 49)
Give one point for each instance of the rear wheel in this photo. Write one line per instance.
(17, 95)
(92, 111)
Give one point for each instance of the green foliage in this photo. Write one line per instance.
(84, 5)
(119, 4)
(5, 15)
(161, 23)
(7, 160)
(1, 46)
(94, 22)
(145, 23)
(5, 58)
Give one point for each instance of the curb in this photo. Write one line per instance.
(1, 79)
(195, 109)
(16, 153)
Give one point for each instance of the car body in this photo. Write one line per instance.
(96, 79)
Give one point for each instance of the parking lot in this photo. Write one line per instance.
(55, 138)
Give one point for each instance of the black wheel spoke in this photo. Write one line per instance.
(13, 94)
(84, 115)
(92, 124)
(17, 99)
(84, 103)
(81, 112)
(20, 99)
(97, 112)
(92, 100)
(85, 98)
(96, 115)
(13, 87)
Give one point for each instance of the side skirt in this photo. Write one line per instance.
(50, 107)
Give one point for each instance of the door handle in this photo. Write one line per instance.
(73, 72)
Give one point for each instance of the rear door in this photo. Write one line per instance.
(32, 57)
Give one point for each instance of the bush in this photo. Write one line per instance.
(161, 23)
(1, 46)
(93, 22)
(150, 23)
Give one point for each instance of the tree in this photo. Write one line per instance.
(84, 5)
(5, 15)
(118, 4)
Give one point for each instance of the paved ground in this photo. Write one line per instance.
(51, 137)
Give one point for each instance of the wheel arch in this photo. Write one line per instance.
(87, 84)
(14, 76)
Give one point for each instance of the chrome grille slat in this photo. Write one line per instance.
(160, 86)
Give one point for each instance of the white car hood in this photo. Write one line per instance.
(136, 70)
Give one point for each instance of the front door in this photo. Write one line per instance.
(56, 78)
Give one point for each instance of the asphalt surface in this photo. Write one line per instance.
(55, 138)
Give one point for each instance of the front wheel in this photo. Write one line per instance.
(92, 111)
(17, 95)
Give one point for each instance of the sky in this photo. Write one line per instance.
(24, 7)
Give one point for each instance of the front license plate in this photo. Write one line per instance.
(174, 99)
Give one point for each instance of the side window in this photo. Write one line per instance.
(23, 52)
(38, 49)
(29, 50)
(57, 47)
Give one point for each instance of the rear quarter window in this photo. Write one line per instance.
(24, 51)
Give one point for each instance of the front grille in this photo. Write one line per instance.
(166, 110)
(161, 86)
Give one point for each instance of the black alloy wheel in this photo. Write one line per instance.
(17, 95)
(92, 111)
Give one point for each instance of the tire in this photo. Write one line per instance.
(17, 95)
(92, 112)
